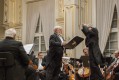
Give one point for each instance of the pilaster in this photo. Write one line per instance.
(13, 16)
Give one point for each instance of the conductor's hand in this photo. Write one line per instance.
(64, 43)
(84, 25)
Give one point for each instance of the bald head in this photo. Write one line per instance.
(11, 32)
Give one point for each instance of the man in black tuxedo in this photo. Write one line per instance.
(54, 57)
(38, 61)
(95, 56)
(17, 71)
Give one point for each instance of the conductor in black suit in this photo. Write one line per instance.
(54, 57)
(9, 44)
(95, 56)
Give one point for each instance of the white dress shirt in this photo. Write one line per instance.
(61, 38)
(40, 67)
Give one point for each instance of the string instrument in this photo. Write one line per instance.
(68, 69)
(71, 72)
(109, 70)
(84, 72)
(33, 66)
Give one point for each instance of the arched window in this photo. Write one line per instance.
(112, 43)
(39, 38)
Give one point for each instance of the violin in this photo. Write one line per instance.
(68, 69)
(33, 66)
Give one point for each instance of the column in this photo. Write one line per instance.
(71, 22)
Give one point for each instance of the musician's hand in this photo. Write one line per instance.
(35, 67)
(98, 65)
(30, 62)
(44, 67)
(84, 25)
(64, 43)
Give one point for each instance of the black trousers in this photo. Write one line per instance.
(95, 72)
(52, 72)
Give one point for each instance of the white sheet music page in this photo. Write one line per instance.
(28, 48)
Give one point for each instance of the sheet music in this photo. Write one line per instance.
(28, 48)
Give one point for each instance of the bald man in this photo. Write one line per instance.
(9, 44)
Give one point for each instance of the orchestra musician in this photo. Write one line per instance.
(95, 56)
(83, 71)
(38, 61)
(116, 66)
(55, 54)
(9, 44)
(112, 71)
(67, 70)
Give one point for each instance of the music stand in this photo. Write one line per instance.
(6, 61)
(73, 43)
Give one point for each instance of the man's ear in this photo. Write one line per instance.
(14, 36)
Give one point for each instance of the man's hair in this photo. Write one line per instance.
(116, 52)
(39, 53)
(57, 27)
(85, 49)
(11, 32)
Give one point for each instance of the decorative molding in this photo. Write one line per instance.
(83, 3)
(32, 1)
(5, 11)
(13, 16)
(12, 13)
(60, 19)
(12, 0)
(60, 8)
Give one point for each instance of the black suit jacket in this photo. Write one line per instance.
(55, 53)
(92, 41)
(17, 72)
(44, 60)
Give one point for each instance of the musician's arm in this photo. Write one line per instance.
(53, 42)
(85, 30)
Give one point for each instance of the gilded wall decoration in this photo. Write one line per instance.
(60, 8)
(12, 13)
(13, 16)
(5, 11)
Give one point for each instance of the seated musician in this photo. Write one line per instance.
(38, 61)
(68, 71)
(9, 44)
(85, 51)
(82, 66)
(42, 73)
(116, 67)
